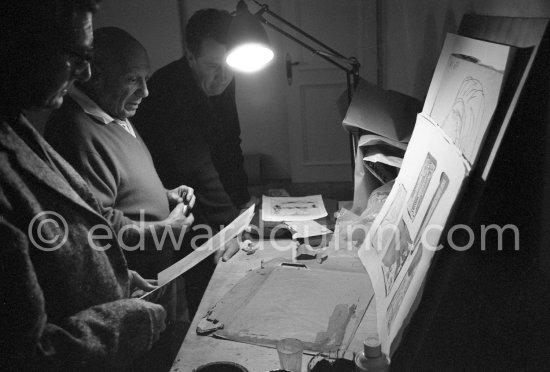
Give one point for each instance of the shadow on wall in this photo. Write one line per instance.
(431, 45)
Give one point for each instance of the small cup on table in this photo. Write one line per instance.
(290, 354)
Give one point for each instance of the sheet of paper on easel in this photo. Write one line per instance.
(404, 236)
(465, 90)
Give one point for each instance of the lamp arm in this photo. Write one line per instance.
(307, 46)
(328, 54)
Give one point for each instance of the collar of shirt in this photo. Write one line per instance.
(91, 108)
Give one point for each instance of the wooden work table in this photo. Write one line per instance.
(198, 350)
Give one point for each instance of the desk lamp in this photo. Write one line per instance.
(250, 50)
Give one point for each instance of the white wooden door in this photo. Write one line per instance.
(319, 146)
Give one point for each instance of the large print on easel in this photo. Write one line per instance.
(445, 144)
(405, 235)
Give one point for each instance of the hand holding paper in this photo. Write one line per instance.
(212, 245)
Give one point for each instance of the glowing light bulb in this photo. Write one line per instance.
(249, 57)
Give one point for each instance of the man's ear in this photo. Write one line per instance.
(190, 57)
(97, 75)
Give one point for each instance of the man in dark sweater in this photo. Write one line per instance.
(64, 297)
(112, 157)
(191, 126)
(190, 121)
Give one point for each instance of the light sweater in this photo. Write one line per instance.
(121, 174)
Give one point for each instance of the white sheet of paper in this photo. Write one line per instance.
(487, 53)
(465, 103)
(305, 229)
(212, 245)
(301, 208)
(416, 210)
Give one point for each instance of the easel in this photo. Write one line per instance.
(506, 186)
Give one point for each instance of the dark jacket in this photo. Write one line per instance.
(65, 307)
(195, 140)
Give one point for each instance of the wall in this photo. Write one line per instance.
(415, 31)
(156, 24)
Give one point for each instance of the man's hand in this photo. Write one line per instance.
(138, 282)
(139, 286)
(181, 194)
(156, 312)
(175, 225)
(158, 317)
(180, 218)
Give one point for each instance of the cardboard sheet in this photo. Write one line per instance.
(383, 112)
(322, 305)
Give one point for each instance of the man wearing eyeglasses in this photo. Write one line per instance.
(64, 298)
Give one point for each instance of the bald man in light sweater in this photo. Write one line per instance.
(108, 152)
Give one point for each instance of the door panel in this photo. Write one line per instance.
(319, 146)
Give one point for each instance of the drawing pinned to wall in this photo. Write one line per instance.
(422, 182)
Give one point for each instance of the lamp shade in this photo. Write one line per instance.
(249, 48)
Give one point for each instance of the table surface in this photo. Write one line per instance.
(198, 350)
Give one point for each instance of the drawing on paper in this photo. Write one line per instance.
(463, 122)
(397, 299)
(422, 183)
(384, 233)
(289, 208)
(396, 254)
(286, 208)
(441, 188)
(466, 101)
(399, 295)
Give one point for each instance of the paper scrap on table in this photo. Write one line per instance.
(305, 229)
(302, 208)
(212, 245)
